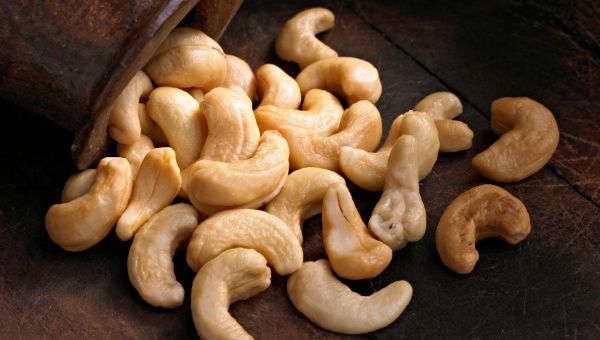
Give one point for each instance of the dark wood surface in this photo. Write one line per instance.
(546, 287)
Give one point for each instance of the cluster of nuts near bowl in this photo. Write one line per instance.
(196, 138)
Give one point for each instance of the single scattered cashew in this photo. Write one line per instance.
(149, 264)
(77, 185)
(321, 114)
(236, 274)
(297, 42)
(239, 73)
(351, 78)
(301, 196)
(353, 253)
(277, 88)
(124, 124)
(329, 303)
(150, 128)
(188, 58)
(399, 216)
(155, 187)
(360, 127)
(481, 212)
(246, 228)
(367, 169)
(178, 115)
(85, 221)
(135, 152)
(232, 130)
(529, 137)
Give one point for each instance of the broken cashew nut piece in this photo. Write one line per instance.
(277, 88)
(77, 185)
(236, 274)
(353, 253)
(399, 215)
(239, 73)
(135, 152)
(246, 228)
(297, 41)
(301, 196)
(481, 212)
(350, 78)
(329, 303)
(155, 187)
(150, 128)
(529, 137)
(150, 265)
(83, 222)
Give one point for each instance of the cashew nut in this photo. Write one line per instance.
(240, 74)
(529, 136)
(367, 169)
(277, 88)
(351, 78)
(81, 223)
(135, 152)
(297, 42)
(360, 127)
(77, 185)
(150, 265)
(246, 228)
(301, 196)
(232, 130)
(155, 187)
(321, 114)
(150, 128)
(399, 216)
(188, 58)
(353, 253)
(440, 105)
(236, 274)
(329, 303)
(124, 124)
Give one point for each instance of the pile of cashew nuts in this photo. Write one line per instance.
(187, 131)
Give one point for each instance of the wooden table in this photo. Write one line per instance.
(547, 286)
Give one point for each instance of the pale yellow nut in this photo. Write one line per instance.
(277, 88)
(188, 58)
(454, 135)
(197, 93)
(481, 212)
(301, 197)
(155, 187)
(329, 303)
(150, 128)
(150, 265)
(350, 78)
(77, 185)
(297, 41)
(353, 253)
(399, 215)
(236, 274)
(440, 105)
(321, 113)
(83, 222)
(178, 115)
(360, 128)
(529, 137)
(135, 152)
(239, 73)
(124, 123)
(246, 228)
(232, 130)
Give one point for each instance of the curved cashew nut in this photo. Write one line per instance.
(440, 105)
(236, 274)
(367, 169)
(301, 196)
(246, 228)
(77, 185)
(351, 78)
(178, 115)
(149, 264)
(277, 88)
(399, 215)
(353, 253)
(124, 124)
(321, 114)
(297, 42)
(188, 58)
(239, 73)
(150, 128)
(155, 188)
(529, 137)
(360, 127)
(85, 221)
(481, 212)
(232, 130)
(135, 153)
(329, 303)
